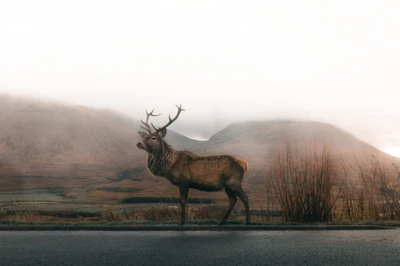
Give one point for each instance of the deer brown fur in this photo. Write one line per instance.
(188, 170)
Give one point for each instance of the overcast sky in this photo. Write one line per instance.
(332, 61)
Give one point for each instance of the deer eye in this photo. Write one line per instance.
(153, 138)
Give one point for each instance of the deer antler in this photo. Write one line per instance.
(180, 109)
(148, 128)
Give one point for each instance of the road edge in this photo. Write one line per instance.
(163, 227)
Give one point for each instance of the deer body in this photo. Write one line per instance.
(188, 170)
(206, 173)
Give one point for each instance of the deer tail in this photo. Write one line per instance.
(243, 164)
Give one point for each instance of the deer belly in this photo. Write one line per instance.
(205, 186)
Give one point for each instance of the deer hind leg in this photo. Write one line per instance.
(236, 188)
(232, 202)
(243, 197)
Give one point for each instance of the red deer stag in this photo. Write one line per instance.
(188, 170)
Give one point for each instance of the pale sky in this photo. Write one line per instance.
(331, 61)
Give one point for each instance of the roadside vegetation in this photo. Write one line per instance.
(304, 186)
(311, 187)
(111, 213)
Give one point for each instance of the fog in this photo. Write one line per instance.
(225, 61)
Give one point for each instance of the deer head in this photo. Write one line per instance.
(152, 141)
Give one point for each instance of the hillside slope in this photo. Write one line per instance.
(54, 145)
(259, 141)
(66, 145)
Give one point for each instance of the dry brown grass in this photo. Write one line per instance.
(20, 216)
(113, 213)
(161, 213)
(3, 214)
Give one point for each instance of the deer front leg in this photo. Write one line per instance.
(183, 191)
(232, 202)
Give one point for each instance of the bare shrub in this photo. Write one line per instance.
(269, 213)
(374, 196)
(303, 186)
(350, 204)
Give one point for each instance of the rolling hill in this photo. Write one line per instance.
(53, 145)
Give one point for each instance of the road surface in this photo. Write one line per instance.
(343, 247)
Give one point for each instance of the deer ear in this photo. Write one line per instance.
(143, 135)
(162, 133)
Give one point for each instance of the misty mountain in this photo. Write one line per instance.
(253, 136)
(47, 144)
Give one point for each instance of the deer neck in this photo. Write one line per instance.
(157, 161)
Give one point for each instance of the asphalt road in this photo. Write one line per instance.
(343, 247)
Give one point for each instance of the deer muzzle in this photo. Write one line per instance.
(140, 145)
